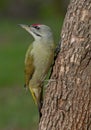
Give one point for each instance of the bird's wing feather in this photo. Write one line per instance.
(29, 67)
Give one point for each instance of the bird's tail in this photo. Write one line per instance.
(33, 95)
(37, 94)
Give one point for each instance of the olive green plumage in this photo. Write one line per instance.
(38, 59)
(37, 64)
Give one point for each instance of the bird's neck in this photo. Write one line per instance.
(44, 40)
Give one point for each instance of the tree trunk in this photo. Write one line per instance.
(67, 101)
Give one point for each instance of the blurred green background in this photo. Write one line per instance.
(17, 109)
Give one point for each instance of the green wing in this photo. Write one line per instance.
(29, 67)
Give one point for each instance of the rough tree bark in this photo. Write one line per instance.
(67, 101)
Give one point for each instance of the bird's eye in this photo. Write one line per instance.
(37, 27)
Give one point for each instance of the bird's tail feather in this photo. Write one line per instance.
(37, 94)
(33, 95)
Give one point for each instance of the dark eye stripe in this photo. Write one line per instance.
(37, 34)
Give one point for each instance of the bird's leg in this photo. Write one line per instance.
(49, 80)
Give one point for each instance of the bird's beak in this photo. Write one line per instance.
(29, 29)
(26, 27)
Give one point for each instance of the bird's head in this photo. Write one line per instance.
(38, 31)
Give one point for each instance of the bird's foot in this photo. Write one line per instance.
(49, 81)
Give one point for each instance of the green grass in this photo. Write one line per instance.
(17, 110)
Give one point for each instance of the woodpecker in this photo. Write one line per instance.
(38, 60)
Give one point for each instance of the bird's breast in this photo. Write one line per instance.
(43, 54)
(43, 57)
